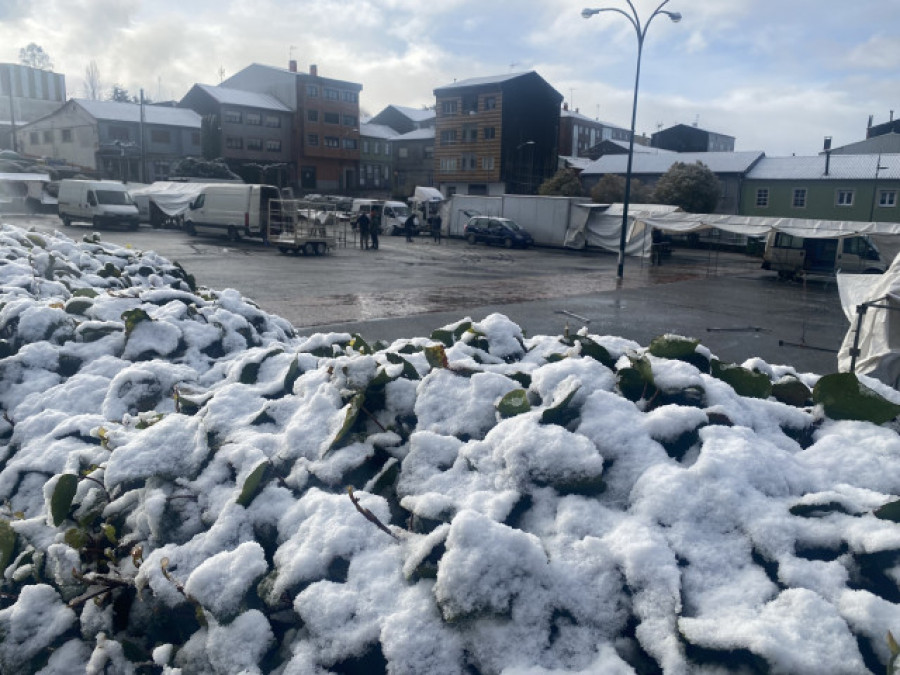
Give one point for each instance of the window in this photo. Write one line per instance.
(885, 197)
(332, 94)
(332, 142)
(855, 246)
(48, 136)
(844, 198)
(116, 133)
(487, 163)
(448, 164)
(387, 149)
(312, 139)
(490, 102)
(273, 146)
(312, 115)
(312, 90)
(470, 104)
(429, 152)
(273, 121)
(468, 162)
(762, 198)
(254, 119)
(348, 120)
(365, 147)
(254, 144)
(232, 116)
(376, 148)
(234, 142)
(402, 153)
(34, 137)
(332, 118)
(470, 134)
(448, 107)
(448, 137)
(66, 135)
(349, 96)
(350, 144)
(783, 240)
(490, 133)
(160, 136)
(799, 198)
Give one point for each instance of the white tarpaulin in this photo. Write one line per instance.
(600, 226)
(172, 198)
(428, 194)
(879, 329)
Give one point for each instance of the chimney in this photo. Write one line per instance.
(827, 153)
(870, 122)
(892, 115)
(313, 70)
(292, 65)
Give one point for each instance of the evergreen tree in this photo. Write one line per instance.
(611, 189)
(564, 184)
(34, 55)
(693, 187)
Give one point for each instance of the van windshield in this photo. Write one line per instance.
(113, 197)
(398, 211)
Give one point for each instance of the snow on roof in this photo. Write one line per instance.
(479, 81)
(415, 114)
(21, 177)
(576, 162)
(585, 118)
(654, 163)
(417, 135)
(377, 131)
(247, 99)
(840, 167)
(131, 112)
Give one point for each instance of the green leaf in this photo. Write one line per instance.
(290, 377)
(409, 371)
(254, 483)
(791, 391)
(436, 356)
(461, 329)
(353, 408)
(360, 345)
(673, 347)
(76, 538)
(249, 373)
(844, 397)
(78, 305)
(890, 511)
(514, 403)
(63, 494)
(132, 318)
(444, 336)
(85, 293)
(7, 543)
(636, 381)
(595, 351)
(563, 412)
(744, 382)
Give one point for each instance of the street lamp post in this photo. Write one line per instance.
(641, 32)
(878, 169)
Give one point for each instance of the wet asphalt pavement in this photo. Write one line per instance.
(405, 290)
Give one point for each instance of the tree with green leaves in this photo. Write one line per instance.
(34, 56)
(611, 189)
(120, 94)
(564, 184)
(692, 187)
(210, 137)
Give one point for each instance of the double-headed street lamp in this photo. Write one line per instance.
(641, 31)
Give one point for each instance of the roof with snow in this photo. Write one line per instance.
(480, 81)
(377, 131)
(653, 163)
(248, 99)
(131, 112)
(417, 135)
(585, 118)
(840, 167)
(414, 114)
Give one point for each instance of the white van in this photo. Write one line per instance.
(100, 202)
(393, 214)
(235, 210)
(793, 256)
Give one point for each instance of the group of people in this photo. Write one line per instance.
(369, 226)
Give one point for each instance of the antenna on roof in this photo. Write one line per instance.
(221, 74)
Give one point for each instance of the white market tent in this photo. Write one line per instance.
(172, 198)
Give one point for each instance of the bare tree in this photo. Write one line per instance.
(92, 86)
(34, 55)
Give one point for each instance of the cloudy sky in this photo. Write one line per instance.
(779, 75)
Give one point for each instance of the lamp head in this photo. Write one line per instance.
(587, 13)
(675, 16)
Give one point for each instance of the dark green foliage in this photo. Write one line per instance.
(844, 397)
(254, 483)
(63, 494)
(564, 184)
(890, 511)
(744, 382)
(514, 403)
(692, 187)
(792, 392)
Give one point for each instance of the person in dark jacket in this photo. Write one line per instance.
(410, 226)
(363, 223)
(436, 227)
(375, 228)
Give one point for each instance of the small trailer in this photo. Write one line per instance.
(304, 231)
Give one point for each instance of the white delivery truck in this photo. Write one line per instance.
(393, 214)
(235, 210)
(100, 202)
(793, 256)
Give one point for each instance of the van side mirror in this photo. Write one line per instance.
(92, 198)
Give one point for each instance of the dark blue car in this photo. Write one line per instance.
(493, 230)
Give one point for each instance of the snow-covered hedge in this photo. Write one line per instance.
(190, 486)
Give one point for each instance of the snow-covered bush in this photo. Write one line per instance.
(190, 486)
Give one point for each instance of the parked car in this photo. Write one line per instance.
(492, 230)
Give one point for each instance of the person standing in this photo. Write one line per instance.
(375, 227)
(362, 223)
(409, 226)
(436, 227)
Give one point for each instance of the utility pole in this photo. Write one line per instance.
(141, 173)
(12, 110)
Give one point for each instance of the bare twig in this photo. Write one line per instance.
(371, 517)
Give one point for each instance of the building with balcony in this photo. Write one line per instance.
(496, 135)
(326, 141)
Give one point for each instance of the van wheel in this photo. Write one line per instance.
(471, 239)
(508, 243)
(67, 222)
(189, 228)
(233, 234)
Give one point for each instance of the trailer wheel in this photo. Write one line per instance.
(320, 248)
(308, 249)
(189, 228)
(233, 234)
(283, 250)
